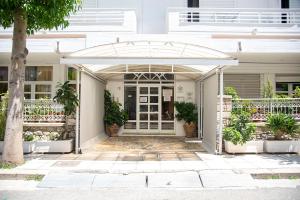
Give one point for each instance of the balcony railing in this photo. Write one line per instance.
(261, 108)
(42, 110)
(235, 16)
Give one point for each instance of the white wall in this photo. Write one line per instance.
(91, 110)
(210, 113)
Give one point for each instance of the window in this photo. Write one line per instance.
(72, 76)
(38, 82)
(285, 88)
(3, 80)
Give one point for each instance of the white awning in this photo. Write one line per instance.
(118, 56)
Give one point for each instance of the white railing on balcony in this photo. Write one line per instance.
(261, 108)
(234, 16)
(90, 17)
(43, 110)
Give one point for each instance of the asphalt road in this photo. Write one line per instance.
(154, 194)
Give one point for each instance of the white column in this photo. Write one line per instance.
(221, 111)
(77, 112)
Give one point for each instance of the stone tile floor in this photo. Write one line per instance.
(133, 148)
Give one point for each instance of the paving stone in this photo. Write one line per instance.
(119, 181)
(66, 163)
(65, 180)
(223, 180)
(150, 157)
(174, 180)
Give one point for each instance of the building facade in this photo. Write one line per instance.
(163, 36)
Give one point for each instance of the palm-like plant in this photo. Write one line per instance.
(66, 95)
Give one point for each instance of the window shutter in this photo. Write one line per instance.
(217, 3)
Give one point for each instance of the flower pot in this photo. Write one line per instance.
(189, 129)
(54, 146)
(255, 146)
(112, 130)
(282, 146)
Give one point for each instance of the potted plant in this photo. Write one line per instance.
(282, 127)
(187, 112)
(238, 135)
(66, 95)
(114, 116)
(28, 142)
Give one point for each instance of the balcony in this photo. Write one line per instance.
(190, 19)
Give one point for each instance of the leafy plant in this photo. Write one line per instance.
(239, 130)
(186, 111)
(28, 136)
(113, 112)
(281, 124)
(231, 91)
(67, 96)
(3, 114)
(297, 92)
(268, 91)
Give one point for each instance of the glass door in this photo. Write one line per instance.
(148, 108)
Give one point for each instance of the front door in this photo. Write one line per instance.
(150, 109)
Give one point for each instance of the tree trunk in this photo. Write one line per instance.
(13, 148)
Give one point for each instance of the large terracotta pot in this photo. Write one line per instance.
(189, 129)
(112, 130)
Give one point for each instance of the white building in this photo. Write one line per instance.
(150, 53)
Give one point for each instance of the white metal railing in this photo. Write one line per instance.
(43, 110)
(261, 108)
(100, 16)
(233, 16)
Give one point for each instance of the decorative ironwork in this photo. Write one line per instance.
(43, 110)
(260, 108)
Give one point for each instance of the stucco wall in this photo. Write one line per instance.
(210, 113)
(91, 109)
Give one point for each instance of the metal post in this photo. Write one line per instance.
(221, 112)
(77, 113)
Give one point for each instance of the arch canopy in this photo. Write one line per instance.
(146, 53)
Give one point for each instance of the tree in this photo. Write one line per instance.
(27, 17)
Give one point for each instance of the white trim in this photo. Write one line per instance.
(144, 61)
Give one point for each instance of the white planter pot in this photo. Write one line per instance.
(28, 147)
(58, 146)
(255, 146)
(282, 146)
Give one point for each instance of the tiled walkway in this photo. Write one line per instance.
(134, 148)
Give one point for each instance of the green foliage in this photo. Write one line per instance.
(186, 111)
(240, 130)
(268, 91)
(281, 96)
(7, 165)
(113, 112)
(231, 91)
(40, 14)
(67, 96)
(34, 177)
(3, 115)
(281, 124)
(297, 92)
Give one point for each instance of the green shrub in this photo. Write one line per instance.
(297, 92)
(268, 91)
(3, 115)
(113, 112)
(239, 130)
(186, 111)
(231, 91)
(281, 124)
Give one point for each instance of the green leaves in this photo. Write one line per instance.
(281, 124)
(186, 111)
(40, 14)
(67, 96)
(240, 130)
(232, 92)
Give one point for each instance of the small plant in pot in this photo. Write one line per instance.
(114, 116)
(282, 126)
(187, 112)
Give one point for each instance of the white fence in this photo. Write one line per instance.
(41, 110)
(260, 108)
(234, 16)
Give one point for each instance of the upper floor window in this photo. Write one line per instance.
(38, 73)
(72, 76)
